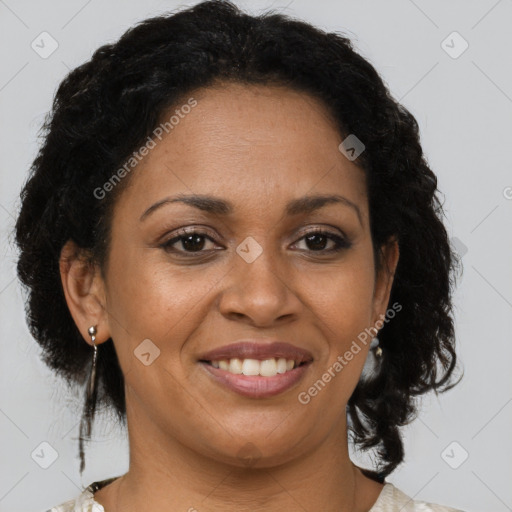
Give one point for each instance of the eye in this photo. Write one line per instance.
(191, 242)
(318, 240)
(188, 241)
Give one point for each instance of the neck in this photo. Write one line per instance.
(166, 475)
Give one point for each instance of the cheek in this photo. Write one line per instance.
(150, 298)
(342, 301)
(342, 296)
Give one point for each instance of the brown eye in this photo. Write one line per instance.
(192, 242)
(318, 241)
(188, 243)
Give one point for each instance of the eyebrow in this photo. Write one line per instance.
(217, 206)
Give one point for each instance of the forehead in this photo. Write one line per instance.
(260, 144)
(246, 121)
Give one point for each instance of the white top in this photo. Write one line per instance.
(390, 499)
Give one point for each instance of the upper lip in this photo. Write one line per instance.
(256, 349)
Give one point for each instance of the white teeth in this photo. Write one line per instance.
(267, 368)
(251, 367)
(235, 366)
(282, 365)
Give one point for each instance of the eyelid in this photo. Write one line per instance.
(324, 228)
(191, 230)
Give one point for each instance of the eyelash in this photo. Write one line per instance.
(341, 243)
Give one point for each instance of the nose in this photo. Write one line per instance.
(260, 293)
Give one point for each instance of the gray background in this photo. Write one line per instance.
(463, 103)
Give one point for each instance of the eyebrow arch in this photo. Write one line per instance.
(214, 205)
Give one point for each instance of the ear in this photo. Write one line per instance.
(84, 290)
(385, 276)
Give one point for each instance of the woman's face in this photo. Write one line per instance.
(252, 271)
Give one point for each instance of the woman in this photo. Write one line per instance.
(237, 218)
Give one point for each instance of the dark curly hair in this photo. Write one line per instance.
(105, 108)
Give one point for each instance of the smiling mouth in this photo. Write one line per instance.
(265, 368)
(257, 378)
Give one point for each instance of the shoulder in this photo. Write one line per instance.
(391, 497)
(84, 502)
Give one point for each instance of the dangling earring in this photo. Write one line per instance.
(378, 350)
(90, 401)
(373, 362)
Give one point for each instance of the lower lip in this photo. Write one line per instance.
(256, 386)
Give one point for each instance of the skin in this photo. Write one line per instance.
(257, 147)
